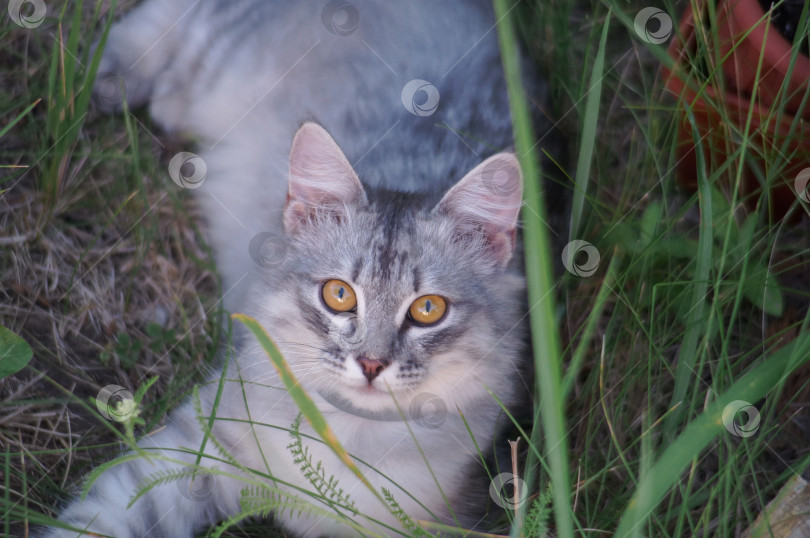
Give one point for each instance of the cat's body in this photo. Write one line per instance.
(241, 77)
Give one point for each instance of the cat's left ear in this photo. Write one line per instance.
(321, 178)
(487, 201)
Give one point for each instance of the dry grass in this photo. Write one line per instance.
(71, 286)
(117, 253)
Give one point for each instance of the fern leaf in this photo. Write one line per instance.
(315, 474)
(402, 517)
(160, 478)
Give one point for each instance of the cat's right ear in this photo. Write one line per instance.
(487, 202)
(321, 178)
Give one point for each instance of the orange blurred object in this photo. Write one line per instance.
(776, 138)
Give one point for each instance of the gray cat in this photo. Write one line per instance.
(353, 213)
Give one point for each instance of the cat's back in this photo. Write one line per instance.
(374, 73)
(412, 92)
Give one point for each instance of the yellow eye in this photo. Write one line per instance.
(338, 296)
(428, 309)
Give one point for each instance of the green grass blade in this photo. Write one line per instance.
(687, 357)
(586, 337)
(20, 116)
(699, 433)
(588, 137)
(539, 278)
(83, 99)
(217, 397)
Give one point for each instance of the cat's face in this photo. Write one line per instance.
(380, 296)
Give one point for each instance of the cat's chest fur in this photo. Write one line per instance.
(422, 463)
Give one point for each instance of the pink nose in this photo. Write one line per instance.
(371, 367)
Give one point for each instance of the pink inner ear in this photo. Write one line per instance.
(321, 178)
(490, 195)
(488, 199)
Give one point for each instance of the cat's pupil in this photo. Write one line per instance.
(341, 292)
(428, 306)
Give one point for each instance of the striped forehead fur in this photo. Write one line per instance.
(390, 217)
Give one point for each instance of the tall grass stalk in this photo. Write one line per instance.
(69, 83)
(544, 329)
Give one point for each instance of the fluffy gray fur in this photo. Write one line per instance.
(242, 76)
